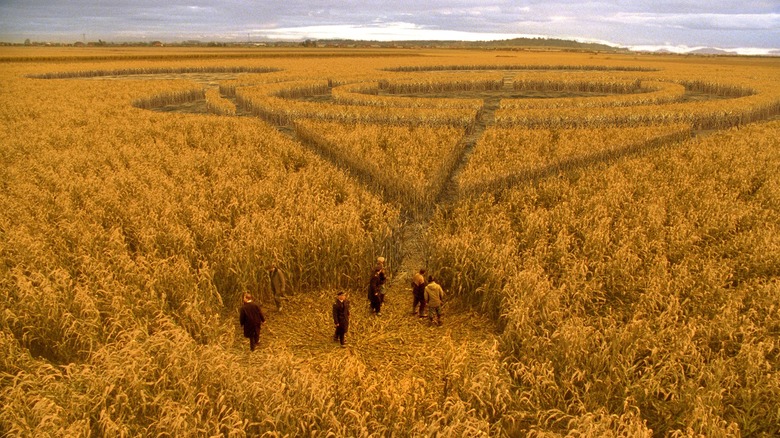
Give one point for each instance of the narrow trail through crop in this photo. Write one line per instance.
(485, 119)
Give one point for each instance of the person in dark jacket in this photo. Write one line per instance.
(251, 318)
(375, 292)
(418, 293)
(380, 265)
(341, 317)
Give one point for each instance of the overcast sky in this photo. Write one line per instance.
(676, 25)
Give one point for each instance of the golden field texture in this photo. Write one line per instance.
(503, 156)
(605, 227)
(641, 294)
(412, 163)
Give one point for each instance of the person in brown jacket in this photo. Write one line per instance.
(434, 298)
(375, 292)
(380, 266)
(251, 318)
(418, 293)
(341, 317)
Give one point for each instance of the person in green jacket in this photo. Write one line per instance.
(278, 284)
(434, 298)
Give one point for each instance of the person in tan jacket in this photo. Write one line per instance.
(434, 298)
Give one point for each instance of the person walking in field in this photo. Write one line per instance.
(341, 318)
(418, 293)
(251, 318)
(434, 298)
(375, 292)
(380, 266)
(278, 284)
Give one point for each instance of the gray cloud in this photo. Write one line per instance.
(725, 24)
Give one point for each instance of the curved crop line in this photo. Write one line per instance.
(277, 104)
(367, 94)
(519, 67)
(151, 71)
(175, 98)
(645, 92)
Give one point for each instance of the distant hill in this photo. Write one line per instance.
(710, 51)
(546, 42)
(519, 43)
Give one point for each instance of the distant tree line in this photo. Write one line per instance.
(515, 43)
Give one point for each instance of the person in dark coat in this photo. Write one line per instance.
(251, 318)
(380, 265)
(341, 317)
(418, 293)
(375, 292)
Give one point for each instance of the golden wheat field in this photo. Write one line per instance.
(606, 228)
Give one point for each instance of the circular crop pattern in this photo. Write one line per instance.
(517, 124)
(514, 122)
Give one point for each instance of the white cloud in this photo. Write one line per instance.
(400, 31)
(700, 21)
(680, 49)
(689, 23)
